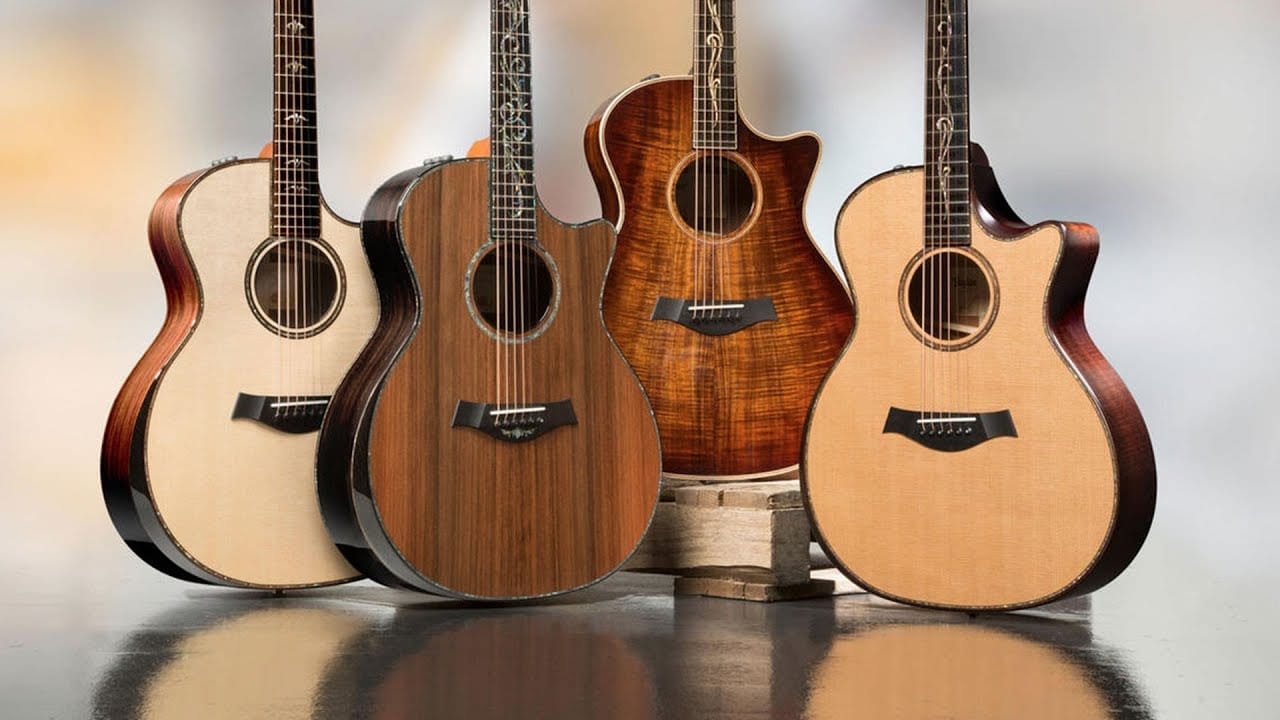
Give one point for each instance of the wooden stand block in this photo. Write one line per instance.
(747, 541)
(731, 589)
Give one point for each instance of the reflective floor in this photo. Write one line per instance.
(132, 645)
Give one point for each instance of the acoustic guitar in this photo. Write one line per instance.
(718, 296)
(208, 464)
(491, 443)
(971, 449)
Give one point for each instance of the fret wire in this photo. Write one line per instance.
(715, 125)
(947, 198)
(296, 197)
(511, 184)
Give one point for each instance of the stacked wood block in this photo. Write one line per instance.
(745, 541)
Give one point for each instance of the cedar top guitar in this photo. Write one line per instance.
(209, 456)
(718, 296)
(972, 449)
(491, 443)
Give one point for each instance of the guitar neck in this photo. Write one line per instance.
(715, 102)
(295, 172)
(947, 125)
(511, 179)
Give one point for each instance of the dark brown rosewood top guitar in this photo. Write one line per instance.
(718, 296)
(491, 443)
(971, 449)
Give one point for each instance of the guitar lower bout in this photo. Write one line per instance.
(505, 411)
(997, 461)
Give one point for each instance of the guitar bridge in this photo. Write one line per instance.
(514, 423)
(950, 432)
(292, 414)
(718, 318)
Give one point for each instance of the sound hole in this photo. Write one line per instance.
(512, 289)
(950, 298)
(295, 287)
(714, 195)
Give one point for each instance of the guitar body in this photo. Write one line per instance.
(194, 492)
(730, 405)
(1054, 505)
(433, 504)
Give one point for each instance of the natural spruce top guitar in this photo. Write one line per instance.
(971, 449)
(718, 296)
(209, 457)
(491, 443)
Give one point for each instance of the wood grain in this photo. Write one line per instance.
(726, 406)
(471, 516)
(119, 466)
(758, 529)
(1016, 522)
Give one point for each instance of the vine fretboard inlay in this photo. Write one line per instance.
(947, 137)
(715, 80)
(512, 193)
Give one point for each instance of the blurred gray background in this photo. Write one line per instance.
(1156, 121)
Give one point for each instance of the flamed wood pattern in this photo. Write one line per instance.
(726, 406)
(1058, 511)
(465, 514)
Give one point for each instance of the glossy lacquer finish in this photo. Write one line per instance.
(1057, 509)
(452, 510)
(195, 492)
(123, 479)
(627, 650)
(731, 405)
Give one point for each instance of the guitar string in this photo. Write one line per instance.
(495, 179)
(277, 204)
(699, 120)
(305, 189)
(531, 272)
(927, 310)
(290, 249)
(930, 222)
(311, 174)
(715, 44)
(962, 54)
(290, 229)
(519, 79)
(948, 185)
(713, 157)
(509, 201)
(516, 159)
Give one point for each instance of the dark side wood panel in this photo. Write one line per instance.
(1134, 455)
(128, 413)
(489, 519)
(343, 440)
(732, 405)
(1131, 440)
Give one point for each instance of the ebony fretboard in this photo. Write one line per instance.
(512, 193)
(715, 101)
(947, 125)
(296, 177)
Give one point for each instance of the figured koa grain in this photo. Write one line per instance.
(732, 405)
